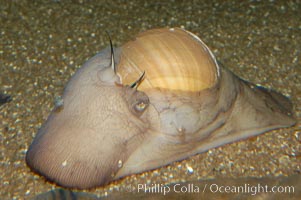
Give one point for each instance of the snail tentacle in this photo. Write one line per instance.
(113, 66)
(136, 83)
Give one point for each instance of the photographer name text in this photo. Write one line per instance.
(213, 188)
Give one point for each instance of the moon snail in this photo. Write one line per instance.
(111, 123)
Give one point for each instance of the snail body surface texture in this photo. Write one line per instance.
(113, 124)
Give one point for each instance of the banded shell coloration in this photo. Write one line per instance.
(173, 59)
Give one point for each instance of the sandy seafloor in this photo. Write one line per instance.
(42, 43)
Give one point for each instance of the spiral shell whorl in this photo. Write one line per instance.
(172, 59)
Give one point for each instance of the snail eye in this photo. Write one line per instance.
(137, 100)
(140, 106)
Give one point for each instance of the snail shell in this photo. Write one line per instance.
(105, 127)
(173, 59)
